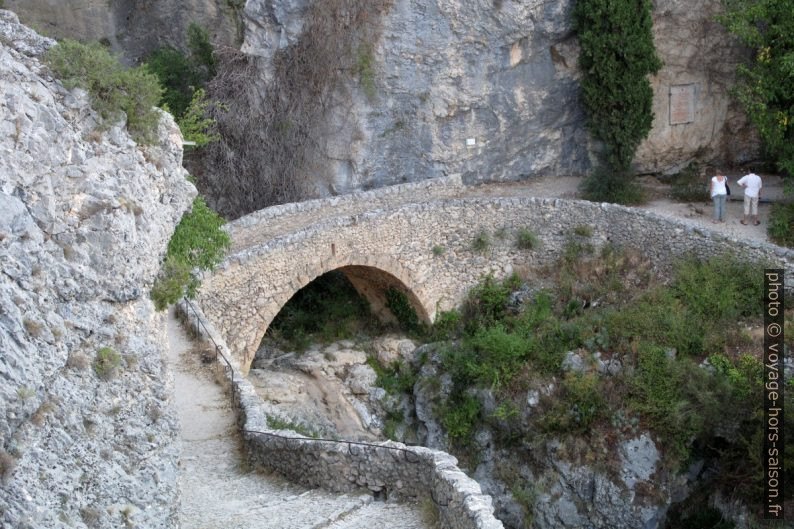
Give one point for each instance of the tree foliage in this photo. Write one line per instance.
(195, 123)
(182, 74)
(617, 55)
(115, 90)
(766, 85)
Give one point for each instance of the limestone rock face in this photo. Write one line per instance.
(487, 89)
(490, 90)
(132, 27)
(700, 57)
(85, 218)
(390, 349)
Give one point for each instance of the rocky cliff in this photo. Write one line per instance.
(489, 89)
(700, 61)
(485, 88)
(132, 28)
(85, 216)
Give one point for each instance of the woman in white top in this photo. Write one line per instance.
(719, 194)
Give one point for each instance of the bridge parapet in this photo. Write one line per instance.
(243, 296)
(287, 218)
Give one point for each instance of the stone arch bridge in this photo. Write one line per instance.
(385, 239)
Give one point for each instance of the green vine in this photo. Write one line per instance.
(398, 303)
(197, 243)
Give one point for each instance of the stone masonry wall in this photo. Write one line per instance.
(251, 286)
(394, 468)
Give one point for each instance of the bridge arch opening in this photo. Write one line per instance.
(342, 302)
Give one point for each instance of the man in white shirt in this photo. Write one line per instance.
(752, 192)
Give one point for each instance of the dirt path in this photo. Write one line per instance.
(695, 214)
(219, 492)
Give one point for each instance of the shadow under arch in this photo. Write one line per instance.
(372, 277)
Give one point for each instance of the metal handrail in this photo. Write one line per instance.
(228, 366)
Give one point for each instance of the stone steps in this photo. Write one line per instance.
(219, 492)
(379, 515)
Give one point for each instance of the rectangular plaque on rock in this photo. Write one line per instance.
(682, 104)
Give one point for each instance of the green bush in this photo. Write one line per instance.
(526, 240)
(448, 324)
(766, 86)
(438, 250)
(106, 363)
(180, 74)
(174, 281)
(487, 302)
(394, 419)
(720, 289)
(115, 90)
(491, 357)
(580, 405)
(197, 242)
(781, 224)
(198, 239)
(658, 393)
(459, 416)
(396, 379)
(656, 317)
(481, 242)
(195, 124)
(583, 230)
(686, 405)
(550, 337)
(693, 313)
(177, 75)
(280, 424)
(744, 373)
(202, 53)
(493, 354)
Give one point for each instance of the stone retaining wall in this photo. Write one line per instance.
(391, 468)
(249, 289)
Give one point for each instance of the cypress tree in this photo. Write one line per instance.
(617, 55)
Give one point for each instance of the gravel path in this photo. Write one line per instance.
(695, 214)
(218, 492)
